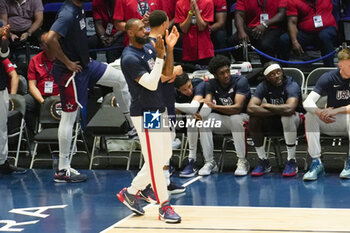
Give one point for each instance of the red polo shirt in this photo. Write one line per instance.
(101, 10)
(220, 6)
(8, 67)
(305, 11)
(39, 69)
(254, 8)
(128, 9)
(196, 45)
(169, 7)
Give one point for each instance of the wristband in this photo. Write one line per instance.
(29, 34)
(265, 25)
(190, 12)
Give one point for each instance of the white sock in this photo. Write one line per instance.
(261, 152)
(167, 176)
(291, 152)
(132, 191)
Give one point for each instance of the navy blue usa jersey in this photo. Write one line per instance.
(337, 89)
(134, 63)
(70, 23)
(226, 96)
(279, 95)
(198, 89)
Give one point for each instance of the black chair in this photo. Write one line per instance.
(109, 122)
(47, 133)
(16, 126)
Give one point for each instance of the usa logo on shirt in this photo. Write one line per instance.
(152, 120)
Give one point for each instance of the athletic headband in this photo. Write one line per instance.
(271, 68)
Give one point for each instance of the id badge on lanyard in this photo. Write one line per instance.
(48, 89)
(264, 17)
(109, 29)
(318, 21)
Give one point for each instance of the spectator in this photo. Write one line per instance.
(194, 18)
(169, 7)
(128, 9)
(333, 120)
(189, 98)
(12, 84)
(309, 23)
(40, 81)
(281, 113)
(231, 94)
(258, 22)
(25, 18)
(218, 30)
(5, 166)
(106, 34)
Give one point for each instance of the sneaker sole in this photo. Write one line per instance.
(177, 191)
(169, 220)
(122, 200)
(68, 181)
(188, 176)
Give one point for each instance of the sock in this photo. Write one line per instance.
(167, 176)
(132, 190)
(261, 152)
(291, 152)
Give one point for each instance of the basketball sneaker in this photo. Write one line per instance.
(316, 170)
(167, 214)
(291, 168)
(69, 175)
(131, 201)
(190, 169)
(148, 195)
(208, 168)
(242, 167)
(345, 174)
(262, 168)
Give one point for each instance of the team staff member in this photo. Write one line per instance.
(40, 81)
(309, 23)
(333, 120)
(281, 113)
(194, 18)
(231, 95)
(74, 73)
(142, 67)
(5, 166)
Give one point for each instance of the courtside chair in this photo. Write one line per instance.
(109, 122)
(313, 76)
(47, 133)
(16, 125)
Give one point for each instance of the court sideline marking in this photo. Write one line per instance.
(129, 216)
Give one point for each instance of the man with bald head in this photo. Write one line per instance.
(142, 65)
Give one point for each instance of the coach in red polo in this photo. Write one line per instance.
(258, 22)
(310, 22)
(194, 17)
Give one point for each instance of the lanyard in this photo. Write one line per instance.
(47, 69)
(312, 4)
(262, 5)
(142, 8)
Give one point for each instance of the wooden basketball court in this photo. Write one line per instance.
(214, 219)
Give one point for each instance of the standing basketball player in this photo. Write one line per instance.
(142, 66)
(74, 73)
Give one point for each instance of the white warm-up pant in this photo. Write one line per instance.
(111, 78)
(290, 126)
(156, 147)
(233, 124)
(314, 126)
(4, 108)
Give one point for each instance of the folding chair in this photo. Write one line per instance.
(109, 121)
(47, 133)
(16, 125)
(314, 76)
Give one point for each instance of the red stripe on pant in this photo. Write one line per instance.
(151, 165)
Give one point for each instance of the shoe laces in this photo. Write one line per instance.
(241, 163)
(168, 209)
(314, 166)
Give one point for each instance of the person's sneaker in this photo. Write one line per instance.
(167, 214)
(262, 168)
(345, 174)
(174, 188)
(242, 167)
(132, 133)
(148, 195)
(69, 176)
(208, 168)
(176, 144)
(291, 168)
(131, 201)
(8, 168)
(316, 170)
(190, 169)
